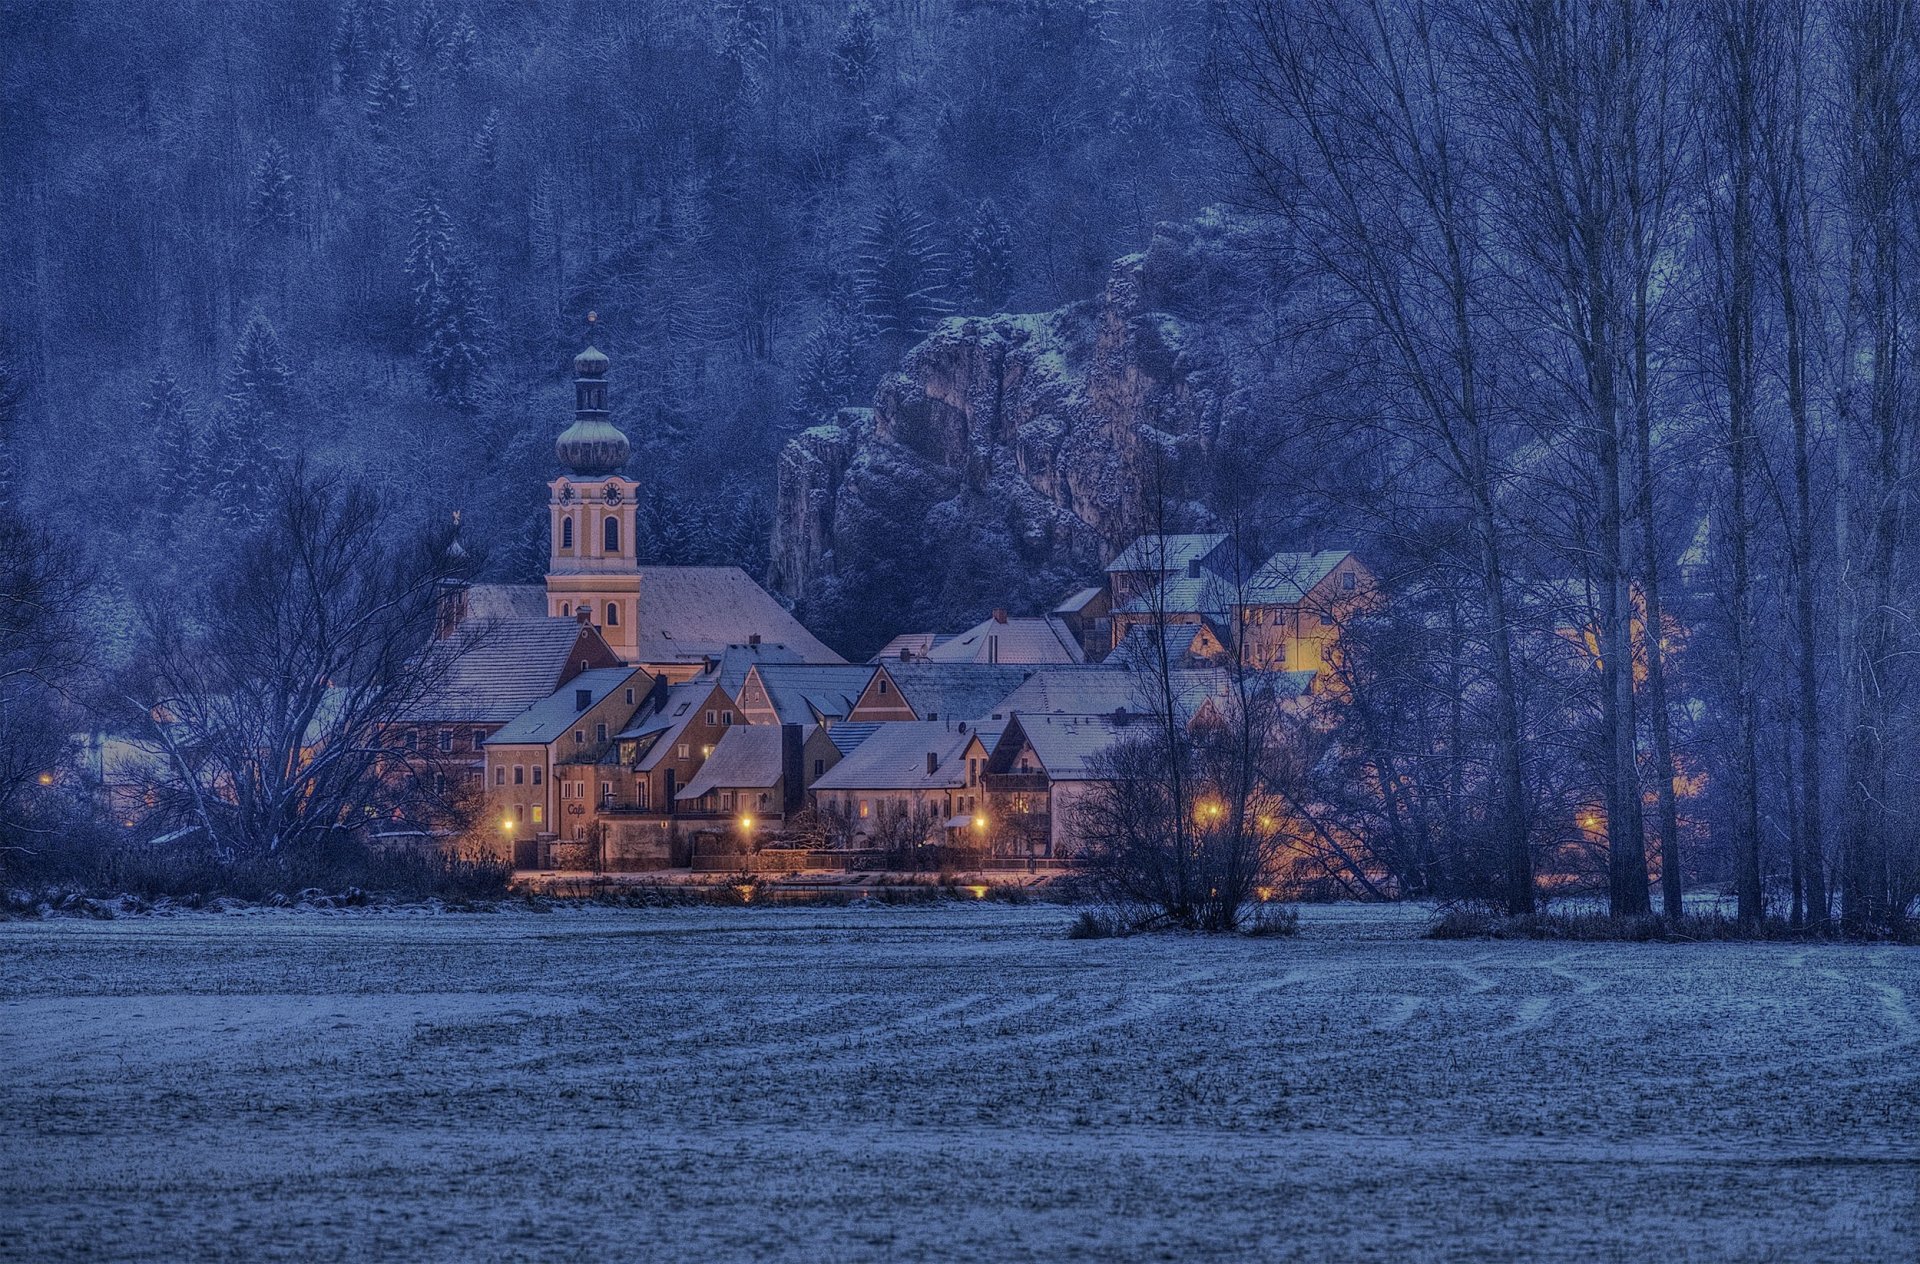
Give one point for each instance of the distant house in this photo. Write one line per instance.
(1004, 638)
(936, 691)
(1151, 560)
(491, 674)
(802, 693)
(1040, 772)
(1295, 603)
(1087, 615)
(759, 773)
(914, 775)
(1187, 645)
(530, 758)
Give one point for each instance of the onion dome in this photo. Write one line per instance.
(592, 445)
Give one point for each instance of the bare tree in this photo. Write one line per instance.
(43, 655)
(282, 692)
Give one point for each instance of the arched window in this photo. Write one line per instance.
(613, 615)
(566, 533)
(566, 610)
(613, 534)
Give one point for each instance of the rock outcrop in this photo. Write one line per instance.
(1009, 455)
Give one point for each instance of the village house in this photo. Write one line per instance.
(912, 782)
(1000, 638)
(758, 774)
(936, 691)
(1151, 560)
(802, 693)
(525, 757)
(1040, 772)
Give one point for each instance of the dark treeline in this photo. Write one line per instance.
(369, 232)
(1614, 359)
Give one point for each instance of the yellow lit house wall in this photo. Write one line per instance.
(1305, 636)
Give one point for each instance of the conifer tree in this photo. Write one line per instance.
(243, 453)
(486, 141)
(270, 206)
(901, 274)
(352, 47)
(430, 255)
(432, 37)
(856, 53)
(463, 48)
(169, 420)
(459, 334)
(827, 374)
(390, 96)
(988, 266)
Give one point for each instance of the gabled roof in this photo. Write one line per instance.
(1167, 553)
(907, 644)
(657, 730)
(1077, 600)
(1204, 594)
(1018, 639)
(1286, 578)
(1104, 690)
(747, 756)
(548, 719)
(808, 693)
(846, 737)
(1068, 747)
(500, 667)
(1139, 648)
(895, 757)
(692, 612)
(954, 691)
(731, 668)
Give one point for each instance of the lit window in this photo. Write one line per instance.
(683, 750)
(863, 808)
(537, 813)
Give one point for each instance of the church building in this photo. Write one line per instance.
(671, 621)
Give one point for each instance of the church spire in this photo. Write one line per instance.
(592, 445)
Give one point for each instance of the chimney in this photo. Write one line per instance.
(792, 774)
(584, 615)
(933, 762)
(753, 640)
(1000, 615)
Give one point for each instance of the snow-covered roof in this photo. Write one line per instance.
(1204, 594)
(692, 612)
(747, 756)
(906, 645)
(1068, 747)
(1167, 553)
(499, 668)
(955, 691)
(1017, 639)
(846, 737)
(1139, 647)
(1077, 600)
(731, 668)
(894, 757)
(506, 601)
(1286, 578)
(658, 729)
(1104, 690)
(805, 693)
(548, 719)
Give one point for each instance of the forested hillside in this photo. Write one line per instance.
(368, 232)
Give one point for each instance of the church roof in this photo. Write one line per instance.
(496, 669)
(692, 612)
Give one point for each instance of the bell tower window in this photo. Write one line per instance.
(612, 533)
(566, 533)
(613, 614)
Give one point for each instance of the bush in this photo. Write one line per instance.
(344, 872)
(1277, 920)
(1096, 925)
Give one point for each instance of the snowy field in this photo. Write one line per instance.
(942, 1082)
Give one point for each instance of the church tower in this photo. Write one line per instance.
(592, 572)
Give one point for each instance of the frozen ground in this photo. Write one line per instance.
(947, 1082)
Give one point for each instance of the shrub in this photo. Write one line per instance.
(1277, 920)
(1095, 925)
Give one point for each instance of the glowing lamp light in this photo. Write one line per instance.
(46, 778)
(979, 890)
(1591, 821)
(506, 823)
(746, 822)
(979, 822)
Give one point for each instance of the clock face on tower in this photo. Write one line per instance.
(566, 493)
(612, 494)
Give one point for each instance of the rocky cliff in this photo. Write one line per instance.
(1009, 455)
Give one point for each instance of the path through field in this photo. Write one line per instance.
(947, 1082)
